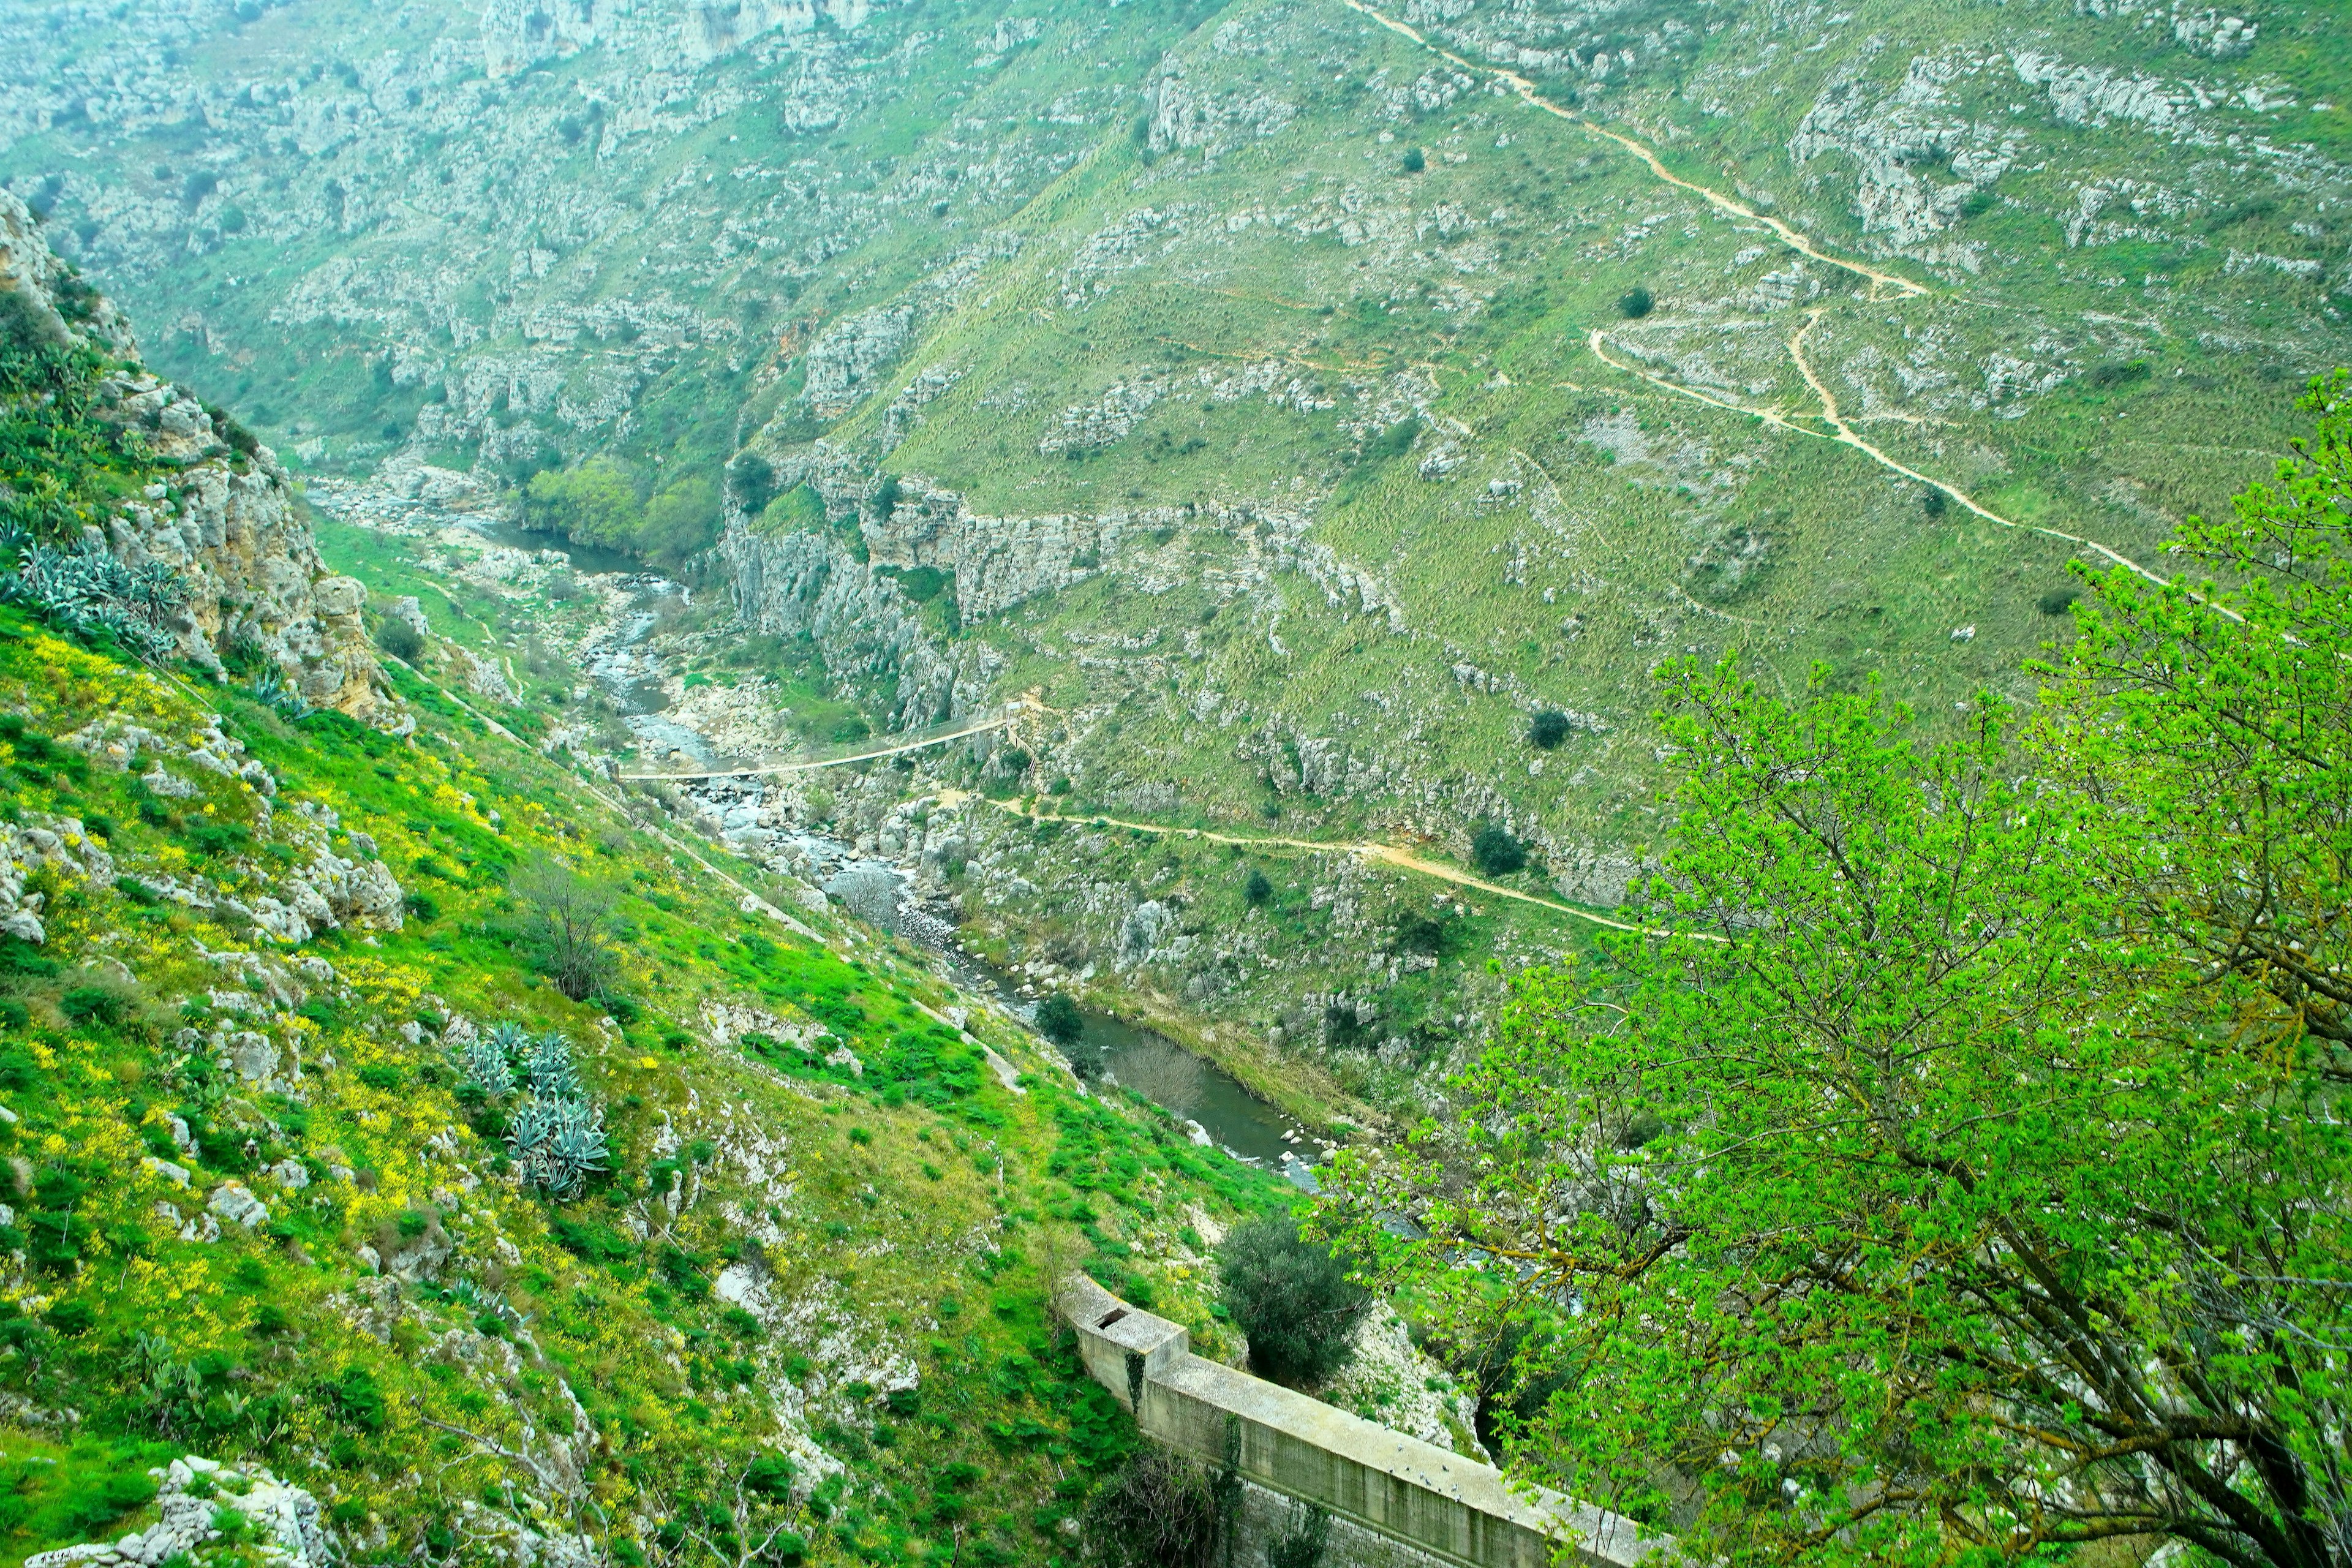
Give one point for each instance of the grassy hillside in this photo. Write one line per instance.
(841, 1268)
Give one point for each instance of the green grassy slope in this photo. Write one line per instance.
(896, 1225)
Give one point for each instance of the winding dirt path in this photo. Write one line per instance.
(1839, 429)
(1393, 855)
(1842, 431)
(1789, 235)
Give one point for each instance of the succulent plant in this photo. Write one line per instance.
(547, 1061)
(271, 690)
(89, 594)
(485, 1064)
(557, 1143)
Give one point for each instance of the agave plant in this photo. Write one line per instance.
(271, 690)
(486, 1065)
(558, 1143)
(552, 1073)
(87, 593)
(511, 1039)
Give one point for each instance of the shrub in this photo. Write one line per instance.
(1415, 161)
(94, 1004)
(752, 480)
(2058, 600)
(1059, 1020)
(1417, 932)
(1496, 852)
(1932, 502)
(402, 640)
(568, 920)
(1547, 729)
(1636, 303)
(1257, 890)
(1395, 441)
(768, 1476)
(1160, 1511)
(1292, 1297)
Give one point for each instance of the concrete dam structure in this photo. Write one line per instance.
(1394, 1502)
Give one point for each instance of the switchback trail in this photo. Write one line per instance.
(1842, 431)
(1839, 430)
(1788, 233)
(1384, 854)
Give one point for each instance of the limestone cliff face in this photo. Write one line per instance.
(787, 584)
(220, 511)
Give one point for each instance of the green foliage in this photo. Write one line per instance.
(1059, 1020)
(797, 509)
(1495, 851)
(1961, 1171)
(1292, 1296)
(1636, 303)
(1547, 729)
(1257, 890)
(401, 640)
(594, 504)
(681, 521)
(1158, 1510)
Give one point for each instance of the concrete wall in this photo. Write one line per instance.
(1455, 1511)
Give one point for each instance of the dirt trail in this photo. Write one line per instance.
(1789, 235)
(1385, 853)
(1842, 431)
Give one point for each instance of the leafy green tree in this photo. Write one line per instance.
(1059, 1020)
(682, 520)
(595, 503)
(1957, 1170)
(1293, 1298)
(1495, 851)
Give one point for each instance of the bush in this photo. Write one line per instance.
(1932, 502)
(402, 640)
(752, 479)
(1547, 729)
(568, 923)
(1292, 1297)
(1415, 161)
(1496, 852)
(94, 1004)
(1059, 1020)
(1257, 890)
(1160, 1511)
(2058, 600)
(595, 503)
(1636, 303)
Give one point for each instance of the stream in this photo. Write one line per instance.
(1213, 1104)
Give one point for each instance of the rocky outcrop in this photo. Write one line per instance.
(864, 626)
(220, 512)
(282, 1521)
(29, 848)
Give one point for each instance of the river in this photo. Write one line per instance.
(620, 658)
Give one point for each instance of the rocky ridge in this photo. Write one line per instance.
(220, 514)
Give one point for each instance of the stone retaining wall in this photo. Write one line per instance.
(1455, 1511)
